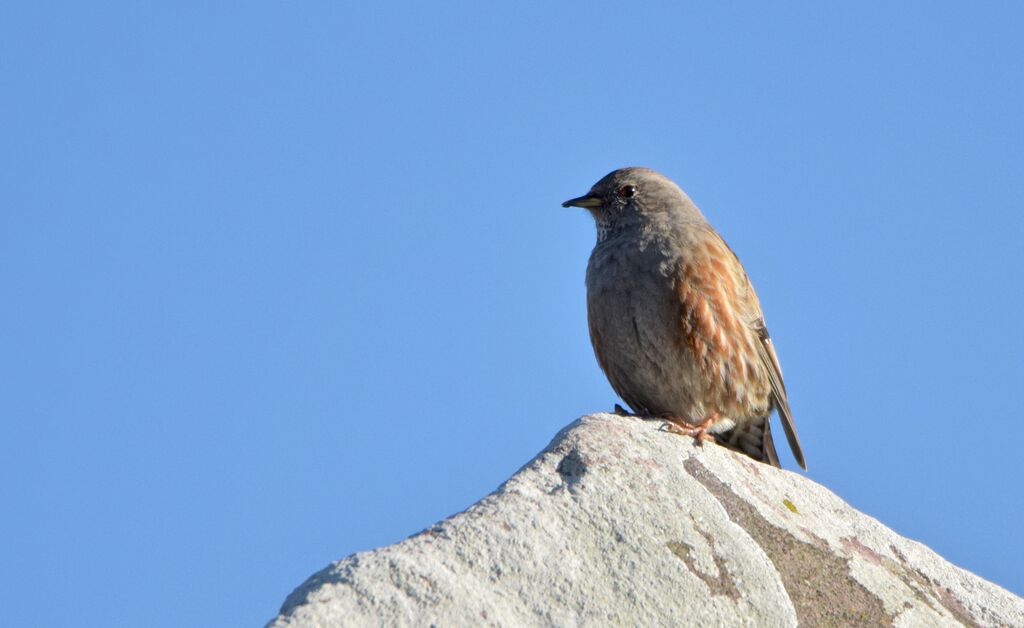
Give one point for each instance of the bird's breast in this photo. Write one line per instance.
(634, 326)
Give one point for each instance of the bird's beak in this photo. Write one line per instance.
(586, 201)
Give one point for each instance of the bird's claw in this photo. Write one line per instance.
(699, 432)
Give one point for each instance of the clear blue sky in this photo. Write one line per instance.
(285, 281)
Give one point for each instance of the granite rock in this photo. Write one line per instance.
(619, 522)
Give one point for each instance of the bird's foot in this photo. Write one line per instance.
(619, 410)
(699, 432)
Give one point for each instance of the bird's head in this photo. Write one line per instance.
(634, 196)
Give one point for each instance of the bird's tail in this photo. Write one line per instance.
(753, 438)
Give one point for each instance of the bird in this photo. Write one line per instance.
(674, 320)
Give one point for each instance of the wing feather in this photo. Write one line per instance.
(779, 398)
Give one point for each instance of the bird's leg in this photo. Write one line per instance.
(699, 432)
(619, 410)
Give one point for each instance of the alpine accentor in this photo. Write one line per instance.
(674, 320)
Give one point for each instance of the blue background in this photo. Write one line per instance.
(285, 281)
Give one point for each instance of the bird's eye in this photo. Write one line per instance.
(626, 191)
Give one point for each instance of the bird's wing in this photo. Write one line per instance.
(770, 361)
(779, 398)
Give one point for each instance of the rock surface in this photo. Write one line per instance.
(617, 522)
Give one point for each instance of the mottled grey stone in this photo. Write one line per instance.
(617, 522)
